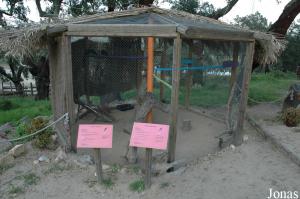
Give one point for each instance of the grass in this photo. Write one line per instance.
(16, 190)
(108, 183)
(23, 106)
(271, 86)
(31, 179)
(137, 186)
(57, 168)
(263, 88)
(5, 167)
(115, 168)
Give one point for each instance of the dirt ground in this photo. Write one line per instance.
(248, 171)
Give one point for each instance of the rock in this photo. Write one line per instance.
(4, 145)
(35, 162)
(6, 159)
(105, 167)
(86, 160)
(54, 138)
(79, 164)
(61, 156)
(5, 128)
(245, 138)
(232, 147)
(17, 150)
(44, 158)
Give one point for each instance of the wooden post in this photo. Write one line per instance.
(235, 59)
(189, 79)
(163, 64)
(238, 133)
(31, 89)
(99, 172)
(61, 80)
(174, 98)
(150, 65)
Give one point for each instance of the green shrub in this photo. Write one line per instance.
(6, 105)
(137, 186)
(291, 117)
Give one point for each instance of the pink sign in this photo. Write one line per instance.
(147, 135)
(95, 136)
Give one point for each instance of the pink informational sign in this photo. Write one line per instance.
(95, 136)
(147, 135)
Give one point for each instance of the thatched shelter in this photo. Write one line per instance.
(167, 25)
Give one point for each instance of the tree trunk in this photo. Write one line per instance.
(19, 87)
(286, 18)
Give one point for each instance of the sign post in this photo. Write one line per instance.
(95, 136)
(149, 136)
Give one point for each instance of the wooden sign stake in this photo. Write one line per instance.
(97, 156)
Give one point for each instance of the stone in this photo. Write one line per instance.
(18, 150)
(245, 138)
(105, 167)
(5, 128)
(232, 147)
(86, 160)
(4, 145)
(35, 162)
(6, 159)
(44, 158)
(61, 156)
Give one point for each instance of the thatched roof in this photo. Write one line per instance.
(24, 41)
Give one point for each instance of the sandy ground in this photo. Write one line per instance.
(247, 171)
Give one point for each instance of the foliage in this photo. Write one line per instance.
(291, 117)
(190, 6)
(6, 105)
(24, 106)
(290, 58)
(270, 87)
(31, 179)
(108, 183)
(43, 140)
(4, 167)
(254, 21)
(15, 190)
(137, 186)
(15, 9)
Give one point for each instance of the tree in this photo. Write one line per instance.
(204, 9)
(288, 15)
(15, 76)
(15, 9)
(253, 22)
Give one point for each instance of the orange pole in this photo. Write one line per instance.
(150, 66)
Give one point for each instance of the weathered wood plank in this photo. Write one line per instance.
(62, 85)
(238, 133)
(202, 33)
(129, 30)
(174, 98)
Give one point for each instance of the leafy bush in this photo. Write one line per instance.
(43, 140)
(137, 186)
(291, 117)
(6, 105)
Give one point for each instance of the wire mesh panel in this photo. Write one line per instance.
(103, 65)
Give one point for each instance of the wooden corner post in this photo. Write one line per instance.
(238, 133)
(61, 80)
(174, 98)
(150, 66)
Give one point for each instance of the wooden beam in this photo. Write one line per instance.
(62, 85)
(215, 34)
(189, 79)
(56, 30)
(238, 133)
(125, 30)
(174, 97)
